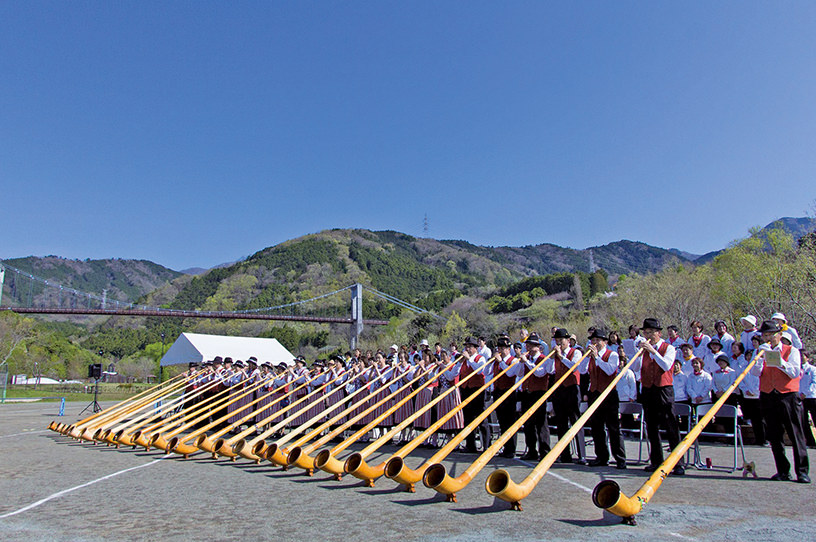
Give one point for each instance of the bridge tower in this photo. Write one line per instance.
(356, 315)
(2, 282)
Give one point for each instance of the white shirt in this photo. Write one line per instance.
(749, 386)
(699, 386)
(609, 366)
(807, 385)
(723, 378)
(486, 352)
(627, 387)
(680, 387)
(710, 364)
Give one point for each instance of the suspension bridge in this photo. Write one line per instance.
(26, 293)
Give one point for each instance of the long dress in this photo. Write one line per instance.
(425, 395)
(447, 380)
(407, 408)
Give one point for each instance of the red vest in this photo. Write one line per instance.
(599, 380)
(652, 374)
(504, 382)
(533, 382)
(561, 370)
(476, 381)
(774, 378)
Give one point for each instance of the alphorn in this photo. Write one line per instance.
(224, 446)
(608, 494)
(178, 444)
(300, 455)
(211, 444)
(499, 483)
(159, 439)
(126, 436)
(119, 432)
(397, 470)
(243, 449)
(62, 427)
(436, 476)
(356, 465)
(89, 431)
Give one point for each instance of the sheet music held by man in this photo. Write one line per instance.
(773, 358)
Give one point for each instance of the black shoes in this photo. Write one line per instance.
(651, 468)
(803, 479)
(507, 454)
(530, 456)
(679, 470)
(598, 463)
(783, 477)
(620, 465)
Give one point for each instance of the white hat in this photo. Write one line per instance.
(779, 316)
(751, 319)
(394, 347)
(786, 335)
(424, 342)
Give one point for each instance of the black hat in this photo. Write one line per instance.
(227, 360)
(503, 340)
(561, 333)
(206, 363)
(722, 357)
(217, 359)
(769, 326)
(714, 340)
(240, 363)
(599, 334)
(651, 323)
(253, 361)
(192, 364)
(516, 344)
(533, 338)
(253, 358)
(471, 341)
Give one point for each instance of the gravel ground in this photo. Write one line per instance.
(77, 491)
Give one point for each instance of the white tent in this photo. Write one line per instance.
(198, 347)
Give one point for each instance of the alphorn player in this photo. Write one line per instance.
(473, 362)
(506, 411)
(537, 427)
(567, 398)
(657, 392)
(781, 406)
(602, 368)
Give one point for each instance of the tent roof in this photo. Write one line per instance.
(198, 347)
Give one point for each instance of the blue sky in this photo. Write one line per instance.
(193, 133)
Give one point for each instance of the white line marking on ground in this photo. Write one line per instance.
(558, 477)
(66, 491)
(25, 433)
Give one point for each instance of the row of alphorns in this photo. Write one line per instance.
(177, 428)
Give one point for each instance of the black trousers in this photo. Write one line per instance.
(537, 427)
(658, 409)
(752, 411)
(605, 420)
(566, 407)
(783, 413)
(808, 408)
(506, 414)
(470, 412)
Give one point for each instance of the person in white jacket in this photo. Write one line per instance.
(699, 385)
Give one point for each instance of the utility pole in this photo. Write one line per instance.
(2, 282)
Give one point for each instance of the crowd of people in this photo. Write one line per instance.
(775, 396)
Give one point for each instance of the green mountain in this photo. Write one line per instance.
(124, 280)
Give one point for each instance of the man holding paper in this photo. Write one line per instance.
(779, 370)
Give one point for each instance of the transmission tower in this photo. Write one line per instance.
(425, 225)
